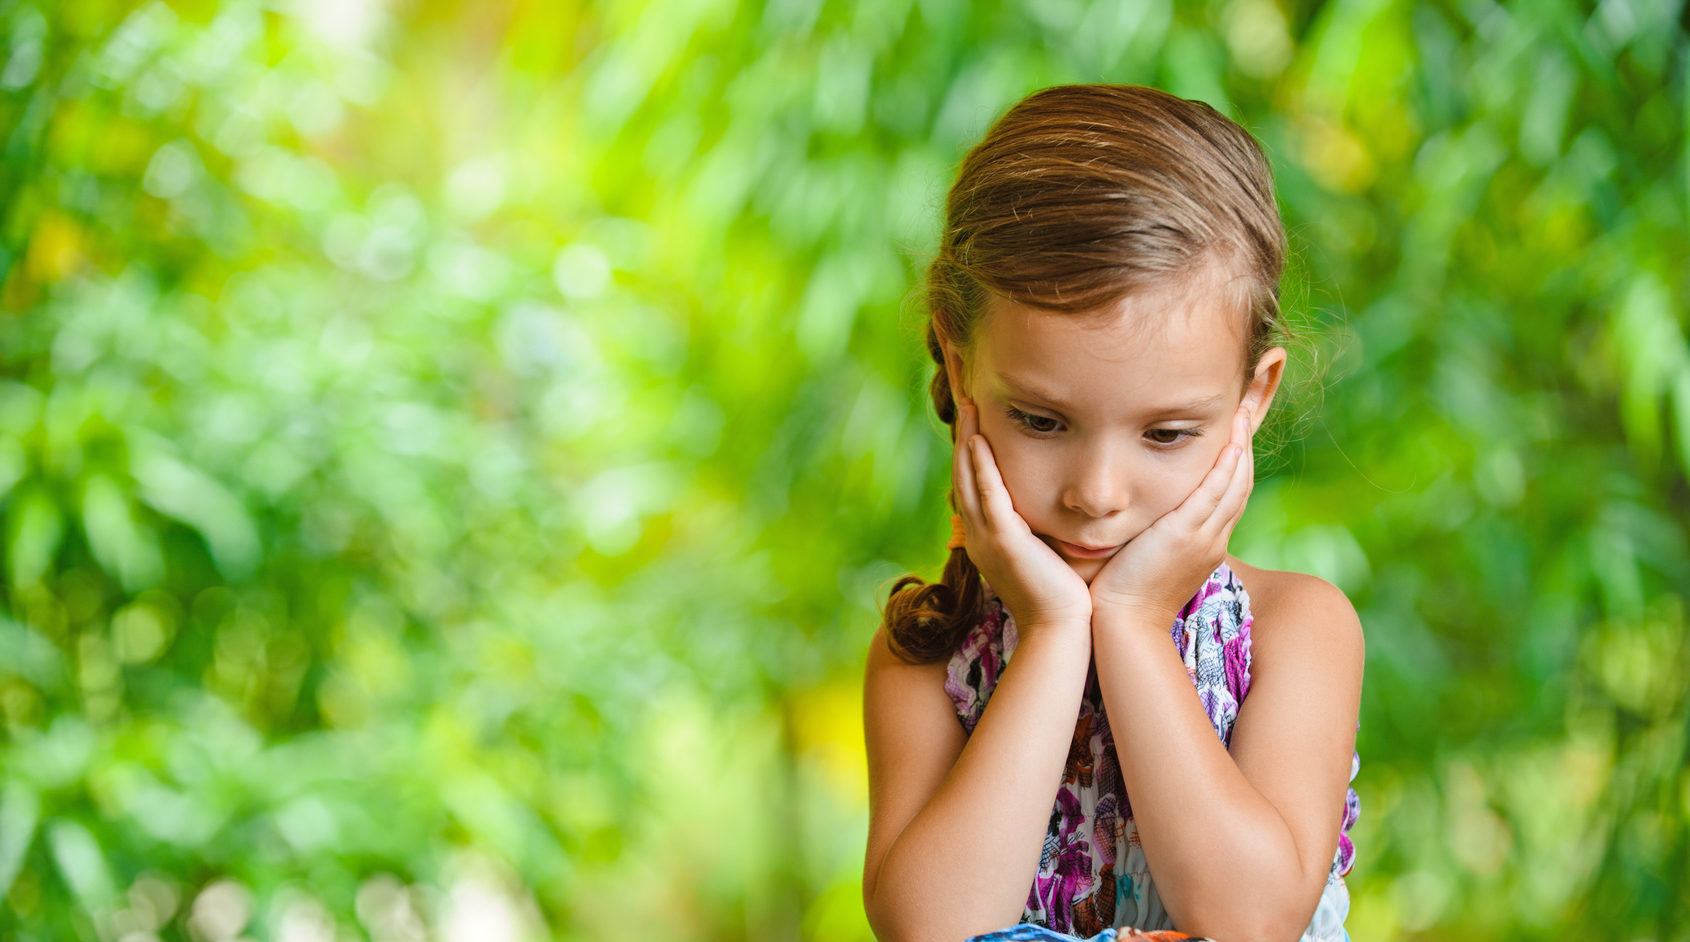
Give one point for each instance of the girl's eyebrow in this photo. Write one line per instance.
(1203, 404)
(1022, 390)
(1019, 389)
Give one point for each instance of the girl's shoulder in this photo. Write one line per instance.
(1298, 605)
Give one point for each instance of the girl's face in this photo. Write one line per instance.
(1102, 422)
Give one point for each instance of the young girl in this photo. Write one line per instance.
(1099, 718)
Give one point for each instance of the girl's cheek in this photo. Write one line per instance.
(1008, 461)
(1021, 472)
(990, 423)
(1192, 474)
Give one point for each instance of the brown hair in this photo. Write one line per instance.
(1077, 197)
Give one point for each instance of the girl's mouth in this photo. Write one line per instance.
(1086, 552)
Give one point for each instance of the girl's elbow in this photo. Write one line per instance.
(890, 921)
(905, 918)
(883, 928)
(1267, 917)
(881, 920)
(902, 927)
(1256, 926)
(879, 905)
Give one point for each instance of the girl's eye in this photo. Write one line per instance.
(1042, 424)
(1171, 436)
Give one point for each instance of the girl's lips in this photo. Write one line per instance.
(1086, 552)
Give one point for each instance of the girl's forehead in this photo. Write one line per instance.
(1141, 341)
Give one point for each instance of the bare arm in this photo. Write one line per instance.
(1240, 844)
(956, 823)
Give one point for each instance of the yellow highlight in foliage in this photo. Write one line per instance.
(1480, 839)
(828, 724)
(55, 248)
(1335, 156)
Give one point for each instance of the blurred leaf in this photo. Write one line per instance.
(198, 500)
(1681, 411)
(118, 542)
(23, 653)
(33, 536)
(13, 465)
(77, 855)
(1653, 349)
(20, 811)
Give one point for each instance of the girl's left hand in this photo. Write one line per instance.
(1155, 574)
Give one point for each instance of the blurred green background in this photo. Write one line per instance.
(452, 455)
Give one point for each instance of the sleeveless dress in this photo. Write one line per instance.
(1092, 872)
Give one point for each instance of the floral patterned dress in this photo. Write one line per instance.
(1092, 872)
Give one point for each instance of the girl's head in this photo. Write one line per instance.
(1107, 292)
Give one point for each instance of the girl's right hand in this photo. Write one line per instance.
(1035, 584)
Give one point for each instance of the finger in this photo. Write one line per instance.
(1250, 456)
(1201, 506)
(1249, 470)
(1224, 479)
(1233, 505)
(1230, 509)
(1239, 440)
(1233, 519)
(1249, 444)
(967, 426)
(995, 504)
(968, 419)
(1237, 514)
(962, 476)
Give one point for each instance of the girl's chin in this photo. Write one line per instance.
(1087, 569)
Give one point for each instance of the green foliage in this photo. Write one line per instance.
(451, 457)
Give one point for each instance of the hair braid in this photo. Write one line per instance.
(925, 621)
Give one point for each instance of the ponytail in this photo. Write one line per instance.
(927, 621)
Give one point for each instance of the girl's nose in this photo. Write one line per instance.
(1098, 487)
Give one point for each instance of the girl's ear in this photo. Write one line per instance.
(1258, 395)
